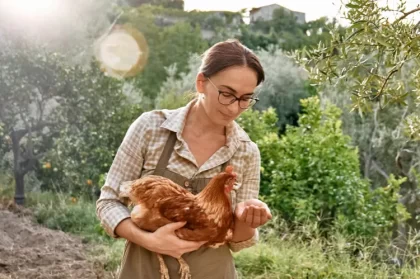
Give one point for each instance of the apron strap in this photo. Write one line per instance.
(167, 151)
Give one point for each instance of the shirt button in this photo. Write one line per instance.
(186, 183)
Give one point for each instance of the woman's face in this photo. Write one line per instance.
(238, 81)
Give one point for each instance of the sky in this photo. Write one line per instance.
(313, 9)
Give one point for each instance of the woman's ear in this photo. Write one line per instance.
(200, 83)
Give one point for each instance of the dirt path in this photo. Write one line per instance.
(29, 251)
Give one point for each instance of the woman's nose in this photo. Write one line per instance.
(234, 107)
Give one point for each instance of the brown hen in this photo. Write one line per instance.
(208, 215)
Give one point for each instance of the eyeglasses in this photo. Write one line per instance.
(227, 98)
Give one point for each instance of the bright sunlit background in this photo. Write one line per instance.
(30, 8)
(65, 24)
(313, 9)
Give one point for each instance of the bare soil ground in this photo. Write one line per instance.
(29, 251)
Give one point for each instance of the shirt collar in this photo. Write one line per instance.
(175, 119)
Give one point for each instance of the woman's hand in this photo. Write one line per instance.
(165, 241)
(254, 213)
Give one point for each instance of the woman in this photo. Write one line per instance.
(190, 145)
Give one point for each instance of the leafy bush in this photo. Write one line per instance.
(262, 128)
(317, 178)
(178, 89)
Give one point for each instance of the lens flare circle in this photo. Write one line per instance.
(123, 52)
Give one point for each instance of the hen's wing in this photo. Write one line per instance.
(148, 194)
(199, 226)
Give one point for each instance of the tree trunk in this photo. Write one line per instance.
(17, 170)
(20, 188)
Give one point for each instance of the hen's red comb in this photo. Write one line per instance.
(229, 169)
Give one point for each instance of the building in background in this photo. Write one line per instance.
(265, 13)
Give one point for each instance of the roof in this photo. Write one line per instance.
(253, 10)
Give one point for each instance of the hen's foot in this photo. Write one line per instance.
(164, 273)
(184, 269)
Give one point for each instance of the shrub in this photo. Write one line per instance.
(317, 178)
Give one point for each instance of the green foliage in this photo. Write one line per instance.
(284, 31)
(32, 77)
(372, 70)
(262, 128)
(317, 178)
(257, 39)
(178, 89)
(370, 57)
(37, 98)
(258, 124)
(66, 213)
(284, 86)
(172, 4)
(168, 45)
(87, 143)
(70, 118)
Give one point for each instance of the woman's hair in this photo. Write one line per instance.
(227, 54)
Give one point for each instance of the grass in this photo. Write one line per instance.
(281, 253)
(292, 258)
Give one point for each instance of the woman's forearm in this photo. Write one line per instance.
(128, 230)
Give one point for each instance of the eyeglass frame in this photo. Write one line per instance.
(256, 99)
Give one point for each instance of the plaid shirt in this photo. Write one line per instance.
(140, 151)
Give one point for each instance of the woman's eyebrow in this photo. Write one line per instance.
(230, 88)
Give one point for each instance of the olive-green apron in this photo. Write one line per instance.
(205, 263)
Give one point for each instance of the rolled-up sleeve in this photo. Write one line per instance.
(126, 166)
(249, 190)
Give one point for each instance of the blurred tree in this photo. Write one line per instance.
(42, 97)
(283, 88)
(31, 88)
(96, 117)
(369, 58)
(256, 39)
(283, 30)
(178, 89)
(168, 45)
